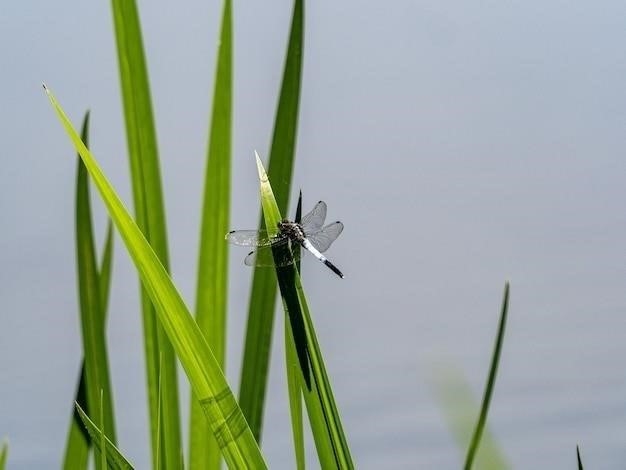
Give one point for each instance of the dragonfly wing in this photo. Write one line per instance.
(326, 236)
(249, 238)
(314, 220)
(265, 257)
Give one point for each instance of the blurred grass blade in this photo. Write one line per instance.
(4, 453)
(205, 376)
(92, 325)
(150, 215)
(491, 379)
(330, 441)
(114, 458)
(460, 408)
(212, 283)
(77, 447)
(255, 365)
(580, 462)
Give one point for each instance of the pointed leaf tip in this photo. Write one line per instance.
(260, 168)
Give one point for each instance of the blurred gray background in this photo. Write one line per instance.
(462, 144)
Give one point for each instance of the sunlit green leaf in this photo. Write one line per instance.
(206, 378)
(212, 285)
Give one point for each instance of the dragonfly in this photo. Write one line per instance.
(310, 234)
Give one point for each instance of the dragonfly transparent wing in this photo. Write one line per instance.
(249, 238)
(326, 236)
(264, 256)
(313, 221)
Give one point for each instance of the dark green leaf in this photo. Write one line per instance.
(94, 341)
(263, 297)
(491, 379)
(330, 441)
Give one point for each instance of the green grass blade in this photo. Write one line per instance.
(293, 374)
(491, 379)
(77, 446)
(158, 465)
(212, 285)
(150, 214)
(103, 455)
(295, 396)
(330, 440)
(114, 458)
(578, 459)
(4, 453)
(92, 325)
(105, 270)
(207, 380)
(78, 442)
(254, 369)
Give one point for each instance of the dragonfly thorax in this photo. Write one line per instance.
(292, 230)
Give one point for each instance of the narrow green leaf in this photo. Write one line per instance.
(105, 270)
(491, 379)
(159, 463)
(94, 341)
(295, 396)
(77, 446)
(293, 373)
(330, 441)
(114, 458)
(205, 376)
(78, 442)
(103, 455)
(578, 459)
(260, 323)
(4, 453)
(212, 286)
(150, 215)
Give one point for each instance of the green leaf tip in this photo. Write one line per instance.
(260, 168)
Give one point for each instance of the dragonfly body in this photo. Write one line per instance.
(310, 234)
